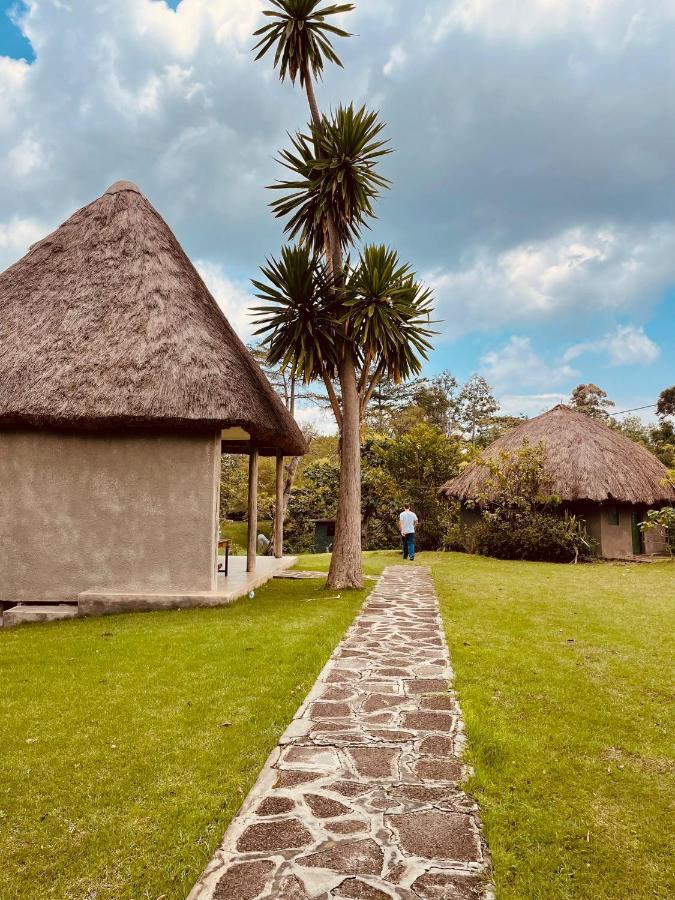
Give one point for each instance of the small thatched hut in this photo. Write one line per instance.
(121, 382)
(599, 475)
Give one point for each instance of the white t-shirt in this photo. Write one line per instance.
(408, 521)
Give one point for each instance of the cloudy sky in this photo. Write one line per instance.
(533, 179)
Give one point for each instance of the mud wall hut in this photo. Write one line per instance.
(121, 382)
(599, 475)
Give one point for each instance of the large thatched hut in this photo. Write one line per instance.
(599, 475)
(121, 382)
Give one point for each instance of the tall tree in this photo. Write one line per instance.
(477, 406)
(591, 400)
(438, 398)
(666, 403)
(324, 319)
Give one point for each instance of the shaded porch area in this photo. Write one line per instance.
(238, 583)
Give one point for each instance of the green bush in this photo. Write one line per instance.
(535, 536)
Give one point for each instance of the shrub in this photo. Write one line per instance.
(535, 536)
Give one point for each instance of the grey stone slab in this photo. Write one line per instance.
(363, 795)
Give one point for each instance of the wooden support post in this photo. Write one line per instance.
(252, 510)
(279, 511)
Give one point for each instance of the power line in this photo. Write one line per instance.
(635, 409)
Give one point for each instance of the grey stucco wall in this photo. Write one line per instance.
(120, 513)
(617, 540)
(656, 542)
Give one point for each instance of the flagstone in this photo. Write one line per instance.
(362, 798)
(324, 807)
(244, 881)
(364, 857)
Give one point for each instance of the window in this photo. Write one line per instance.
(612, 515)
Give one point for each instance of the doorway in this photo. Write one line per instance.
(636, 533)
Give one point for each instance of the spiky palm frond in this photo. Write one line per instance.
(386, 313)
(336, 177)
(301, 331)
(301, 36)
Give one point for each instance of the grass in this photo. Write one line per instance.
(565, 676)
(237, 532)
(118, 781)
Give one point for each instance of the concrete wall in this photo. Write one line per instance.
(119, 513)
(617, 540)
(656, 542)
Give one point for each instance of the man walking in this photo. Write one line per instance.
(408, 521)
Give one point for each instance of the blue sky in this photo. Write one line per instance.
(12, 42)
(533, 182)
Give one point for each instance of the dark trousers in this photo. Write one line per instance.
(409, 546)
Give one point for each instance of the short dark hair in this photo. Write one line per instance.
(407, 506)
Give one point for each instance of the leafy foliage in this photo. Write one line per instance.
(301, 331)
(591, 400)
(386, 312)
(334, 177)
(419, 461)
(666, 403)
(517, 481)
(395, 472)
(535, 536)
(301, 37)
(314, 497)
(382, 313)
(662, 519)
(477, 406)
(518, 518)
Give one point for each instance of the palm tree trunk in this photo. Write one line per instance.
(311, 98)
(346, 566)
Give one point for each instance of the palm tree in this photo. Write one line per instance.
(335, 178)
(380, 316)
(302, 40)
(326, 319)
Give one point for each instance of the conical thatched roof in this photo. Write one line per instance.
(584, 460)
(105, 323)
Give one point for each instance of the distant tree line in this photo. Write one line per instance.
(416, 436)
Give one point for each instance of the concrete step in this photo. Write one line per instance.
(37, 612)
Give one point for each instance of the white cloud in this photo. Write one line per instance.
(16, 236)
(233, 298)
(524, 151)
(13, 77)
(529, 404)
(579, 272)
(321, 420)
(628, 345)
(518, 365)
(610, 24)
(26, 156)
(397, 59)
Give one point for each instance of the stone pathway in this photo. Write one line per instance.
(361, 798)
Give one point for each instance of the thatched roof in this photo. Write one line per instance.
(106, 324)
(584, 460)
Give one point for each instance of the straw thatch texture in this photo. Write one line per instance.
(584, 460)
(106, 323)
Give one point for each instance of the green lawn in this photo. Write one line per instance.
(565, 675)
(237, 532)
(117, 781)
(566, 679)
